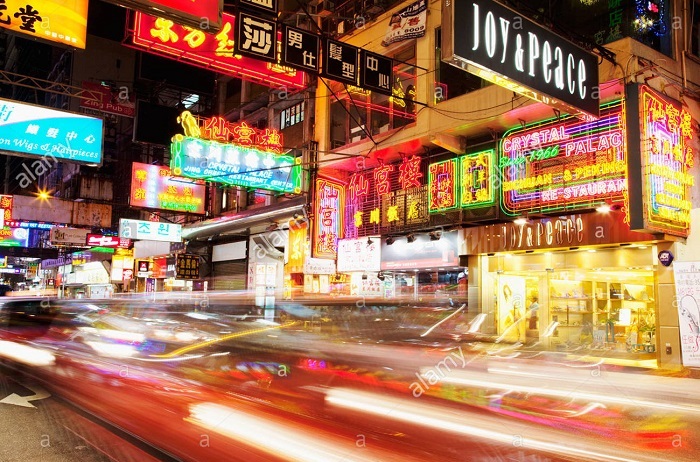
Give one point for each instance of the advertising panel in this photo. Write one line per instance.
(36, 131)
(14, 237)
(110, 101)
(187, 266)
(210, 51)
(407, 23)
(155, 187)
(687, 277)
(659, 136)
(63, 22)
(359, 254)
(328, 225)
(565, 163)
(423, 252)
(500, 45)
(68, 236)
(107, 241)
(149, 230)
(5, 210)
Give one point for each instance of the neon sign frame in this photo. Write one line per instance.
(660, 129)
(442, 186)
(556, 164)
(328, 222)
(476, 179)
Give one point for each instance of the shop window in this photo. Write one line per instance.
(292, 116)
(357, 114)
(451, 81)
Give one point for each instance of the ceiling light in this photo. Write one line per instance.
(410, 238)
(435, 235)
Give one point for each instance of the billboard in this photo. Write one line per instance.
(198, 14)
(37, 131)
(210, 51)
(63, 22)
(155, 187)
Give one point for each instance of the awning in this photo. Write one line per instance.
(243, 221)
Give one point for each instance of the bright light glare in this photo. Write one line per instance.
(112, 350)
(26, 354)
(520, 221)
(603, 208)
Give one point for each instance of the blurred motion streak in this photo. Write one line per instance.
(26, 354)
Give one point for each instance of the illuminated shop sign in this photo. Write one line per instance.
(13, 237)
(200, 14)
(154, 186)
(63, 22)
(31, 224)
(661, 131)
(235, 165)
(115, 100)
(107, 241)
(565, 164)
(386, 198)
(328, 223)
(210, 51)
(36, 131)
(219, 129)
(297, 246)
(150, 230)
(359, 254)
(499, 45)
(442, 186)
(187, 266)
(5, 210)
(476, 179)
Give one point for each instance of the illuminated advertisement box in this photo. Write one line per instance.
(564, 164)
(37, 131)
(13, 237)
(359, 254)
(235, 165)
(442, 186)
(659, 136)
(328, 224)
(476, 188)
(5, 210)
(63, 22)
(210, 51)
(155, 187)
(100, 240)
(150, 230)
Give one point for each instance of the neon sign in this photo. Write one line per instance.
(662, 132)
(156, 187)
(330, 203)
(235, 165)
(567, 163)
(210, 51)
(220, 129)
(5, 209)
(442, 186)
(475, 185)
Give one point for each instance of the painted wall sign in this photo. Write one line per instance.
(328, 222)
(63, 22)
(37, 131)
(552, 233)
(359, 254)
(566, 163)
(235, 165)
(210, 51)
(499, 45)
(155, 187)
(659, 135)
(150, 230)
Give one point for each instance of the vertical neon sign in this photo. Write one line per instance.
(661, 131)
(476, 188)
(330, 204)
(442, 186)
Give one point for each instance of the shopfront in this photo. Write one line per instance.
(582, 283)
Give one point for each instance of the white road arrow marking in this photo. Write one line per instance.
(24, 401)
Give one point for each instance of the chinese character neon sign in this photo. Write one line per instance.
(328, 223)
(155, 187)
(442, 186)
(5, 209)
(410, 175)
(358, 186)
(476, 179)
(210, 51)
(382, 180)
(660, 129)
(567, 163)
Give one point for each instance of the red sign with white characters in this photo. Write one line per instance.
(98, 240)
(210, 51)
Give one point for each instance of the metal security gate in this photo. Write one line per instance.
(229, 275)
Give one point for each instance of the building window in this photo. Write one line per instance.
(292, 116)
(357, 114)
(450, 81)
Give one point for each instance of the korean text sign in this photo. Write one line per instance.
(63, 22)
(150, 230)
(36, 131)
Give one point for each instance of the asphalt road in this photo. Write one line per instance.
(38, 427)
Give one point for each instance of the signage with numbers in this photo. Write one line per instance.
(300, 49)
(340, 61)
(149, 230)
(256, 37)
(376, 73)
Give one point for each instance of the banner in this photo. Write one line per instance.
(407, 24)
(687, 276)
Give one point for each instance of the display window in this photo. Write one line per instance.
(593, 302)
